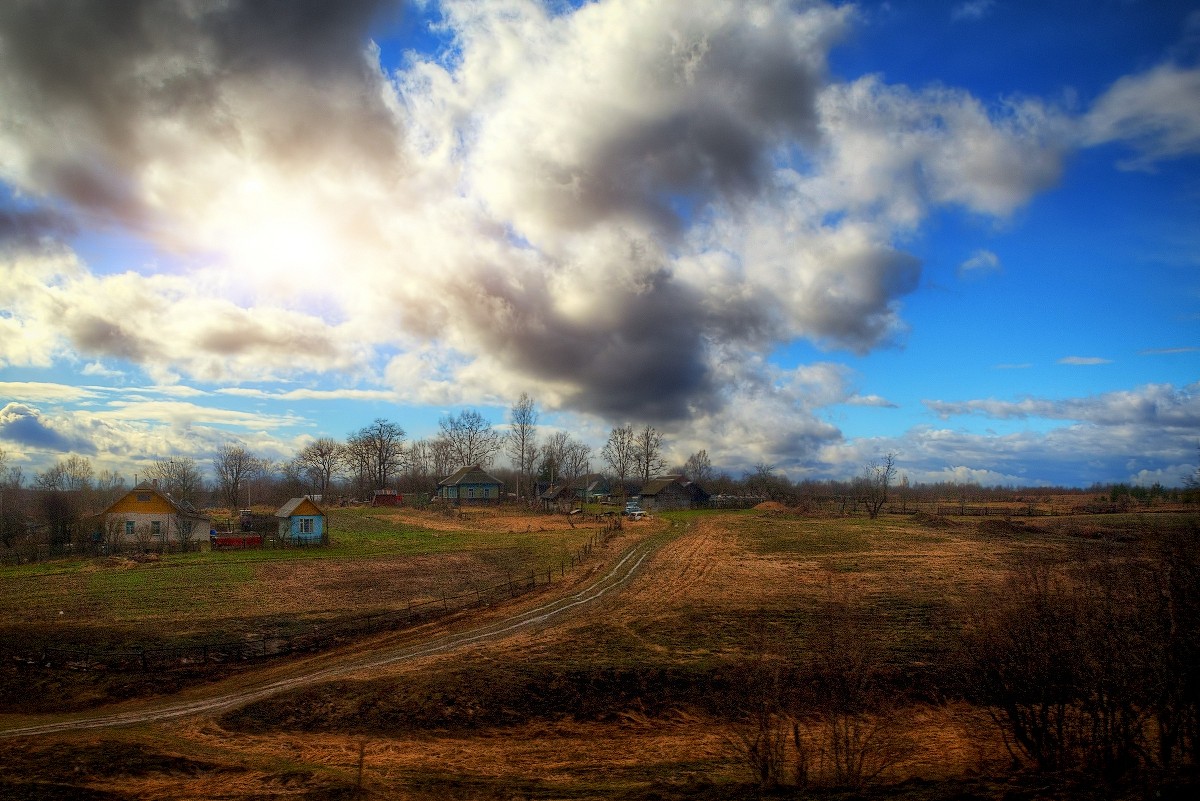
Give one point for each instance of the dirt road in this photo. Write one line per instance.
(219, 698)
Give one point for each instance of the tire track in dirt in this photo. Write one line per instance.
(627, 565)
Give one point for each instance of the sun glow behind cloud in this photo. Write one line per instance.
(617, 207)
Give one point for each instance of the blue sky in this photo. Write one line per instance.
(799, 234)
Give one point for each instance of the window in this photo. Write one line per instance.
(144, 497)
(155, 528)
(128, 528)
(306, 525)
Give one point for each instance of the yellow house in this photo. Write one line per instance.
(149, 516)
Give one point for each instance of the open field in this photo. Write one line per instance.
(638, 695)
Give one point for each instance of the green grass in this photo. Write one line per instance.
(186, 594)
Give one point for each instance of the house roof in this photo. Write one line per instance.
(657, 485)
(181, 507)
(589, 480)
(472, 474)
(553, 492)
(289, 508)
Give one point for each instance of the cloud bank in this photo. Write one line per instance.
(619, 207)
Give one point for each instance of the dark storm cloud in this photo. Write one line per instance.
(95, 335)
(24, 425)
(25, 229)
(240, 334)
(123, 83)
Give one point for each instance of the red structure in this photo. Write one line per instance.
(387, 497)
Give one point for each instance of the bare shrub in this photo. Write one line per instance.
(1091, 664)
(821, 715)
(857, 734)
(761, 724)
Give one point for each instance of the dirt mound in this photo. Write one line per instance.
(933, 521)
(771, 506)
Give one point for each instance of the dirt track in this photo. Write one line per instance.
(221, 697)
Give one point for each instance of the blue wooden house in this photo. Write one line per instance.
(301, 522)
(471, 484)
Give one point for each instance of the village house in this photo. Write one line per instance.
(150, 517)
(565, 493)
(672, 492)
(302, 522)
(470, 484)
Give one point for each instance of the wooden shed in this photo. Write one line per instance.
(672, 492)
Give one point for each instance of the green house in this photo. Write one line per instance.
(470, 484)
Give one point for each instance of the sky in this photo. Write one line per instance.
(799, 234)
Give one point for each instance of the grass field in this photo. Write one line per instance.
(639, 697)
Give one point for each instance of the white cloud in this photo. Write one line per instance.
(973, 10)
(35, 391)
(1084, 361)
(99, 370)
(980, 263)
(1155, 405)
(1156, 112)
(894, 152)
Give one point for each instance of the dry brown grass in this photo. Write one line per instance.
(692, 603)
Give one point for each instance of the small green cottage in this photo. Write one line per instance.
(302, 522)
(470, 484)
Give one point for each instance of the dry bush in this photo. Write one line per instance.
(821, 716)
(1092, 664)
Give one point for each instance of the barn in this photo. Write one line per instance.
(672, 492)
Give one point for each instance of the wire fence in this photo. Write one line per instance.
(317, 637)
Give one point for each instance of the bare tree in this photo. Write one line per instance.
(763, 482)
(441, 456)
(12, 502)
(320, 460)
(78, 474)
(620, 454)
(234, 466)
(65, 489)
(471, 437)
(563, 459)
(521, 442)
(379, 449)
(178, 476)
(874, 482)
(648, 452)
(576, 459)
(698, 467)
(554, 455)
(110, 485)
